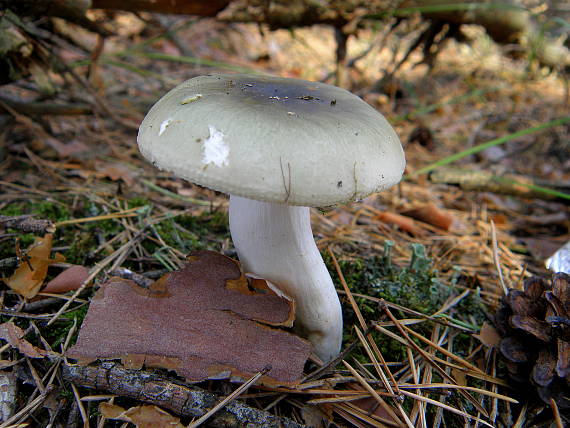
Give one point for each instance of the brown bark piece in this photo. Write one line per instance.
(202, 329)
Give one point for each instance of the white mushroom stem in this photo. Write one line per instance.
(275, 241)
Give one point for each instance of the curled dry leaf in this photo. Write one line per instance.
(206, 321)
(146, 416)
(14, 335)
(70, 279)
(404, 223)
(32, 270)
(431, 214)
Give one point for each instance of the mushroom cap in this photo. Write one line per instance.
(272, 139)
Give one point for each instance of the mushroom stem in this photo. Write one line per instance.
(275, 241)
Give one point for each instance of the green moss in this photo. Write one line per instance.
(56, 333)
(415, 286)
(191, 233)
(50, 210)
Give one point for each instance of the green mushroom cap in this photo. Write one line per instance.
(273, 139)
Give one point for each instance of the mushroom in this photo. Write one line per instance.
(278, 146)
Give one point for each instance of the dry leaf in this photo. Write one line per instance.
(146, 416)
(206, 324)
(69, 279)
(32, 270)
(114, 171)
(431, 214)
(14, 335)
(404, 223)
(488, 335)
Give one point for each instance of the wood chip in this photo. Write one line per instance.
(208, 323)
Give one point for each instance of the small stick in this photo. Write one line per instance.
(183, 400)
(229, 398)
(26, 223)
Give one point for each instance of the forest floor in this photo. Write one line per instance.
(112, 209)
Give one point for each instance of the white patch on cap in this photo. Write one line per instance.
(216, 150)
(164, 125)
(191, 99)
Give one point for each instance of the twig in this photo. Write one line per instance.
(188, 401)
(510, 184)
(244, 387)
(137, 278)
(26, 223)
(32, 108)
(29, 408)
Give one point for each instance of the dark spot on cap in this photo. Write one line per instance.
(333, 103)
(339, 184)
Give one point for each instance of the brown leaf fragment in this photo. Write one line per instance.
(489, 335)
(404, 223)
(145, 416)
(539, 329)
(112, 170)
(203, 329)
(14, 335)
(70, 279)
(543, 370)
(32, 270)
(431, 214)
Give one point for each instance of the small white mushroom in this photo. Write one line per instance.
(338, 149)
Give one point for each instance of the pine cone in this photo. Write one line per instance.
(535, 328)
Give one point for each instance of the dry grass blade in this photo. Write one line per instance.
(443, 350)
(116, 215)
(467, 388)
(556, 413)
(30, 407)
(82, 411)
(496, 259)
(380, 400)
(393, 386)
(445, 407)
(356, 417)
(375, 363)
(522, 416)
(242, 388)
(476, 374)
(364, 327)
(428, 358)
